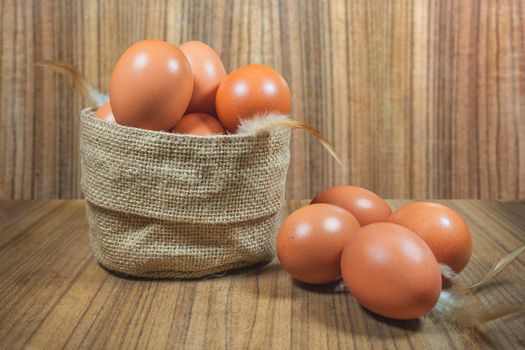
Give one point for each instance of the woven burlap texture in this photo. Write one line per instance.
(164, 205)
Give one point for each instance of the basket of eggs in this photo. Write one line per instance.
(183, 167)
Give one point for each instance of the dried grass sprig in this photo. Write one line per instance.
(459, 306)
(264, 123)
(497, 268)
(79, 81)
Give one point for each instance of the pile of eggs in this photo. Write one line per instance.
(158, 86)
(390, 262)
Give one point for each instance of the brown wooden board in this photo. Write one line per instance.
(54, 294)
(420, 98)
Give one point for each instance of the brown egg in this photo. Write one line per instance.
(198, 124)
(310, 242)
(251, 90)
(208, 73)
(366, 206)
(151, 85)
(441, 228)
(104, 113)
(391, 271)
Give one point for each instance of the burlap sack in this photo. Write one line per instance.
(168, 205)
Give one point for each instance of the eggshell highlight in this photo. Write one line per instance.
(366, 206)
(391, 271)
(151, 85)
(198, 124)
(310, 242)
(251, 90)
(208, 72)
(444, 231)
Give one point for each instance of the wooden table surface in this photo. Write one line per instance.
(54, 294)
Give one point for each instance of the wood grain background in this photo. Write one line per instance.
(421, 98)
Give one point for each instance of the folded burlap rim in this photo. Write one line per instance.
(186, 178)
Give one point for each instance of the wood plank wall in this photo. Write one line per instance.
(421, 98)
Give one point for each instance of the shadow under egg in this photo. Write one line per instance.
(408, 325)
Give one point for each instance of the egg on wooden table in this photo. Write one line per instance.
(310, 242)
(366, 206)
(251, 90)
(391, 271)
(105, 113)
(445, 232)
(198, 124)
(151, 85)
(208, 72)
